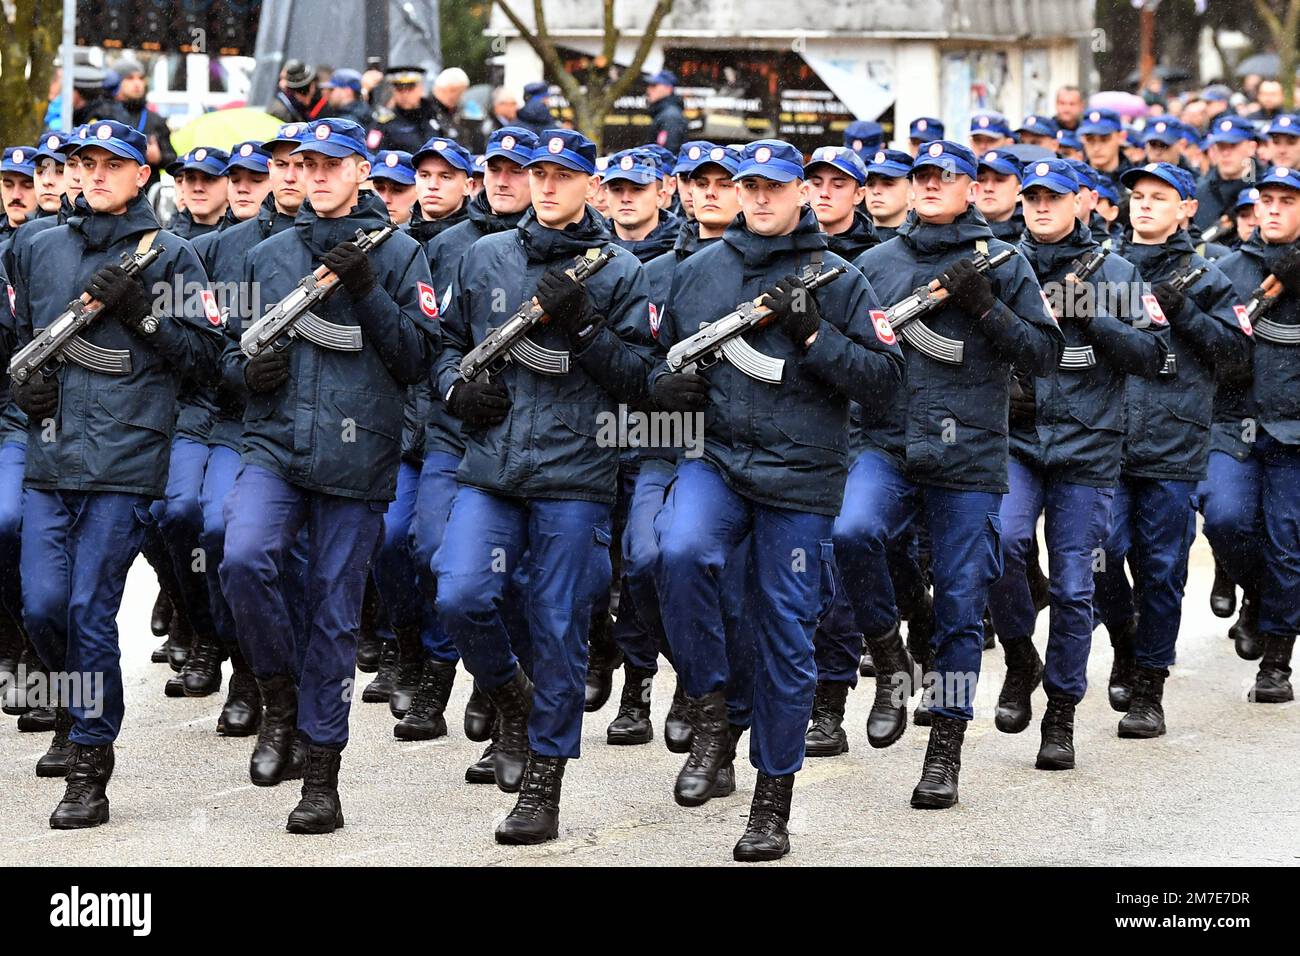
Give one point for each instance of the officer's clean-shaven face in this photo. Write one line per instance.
(1285, 150)
(833, 195)
(981, 143)
(1049, 216)
(1157, 152)
(1278, 211)
(940, 196)
(684, 190)
(1156, 210)
(1102, 149)
(205, 196)
(398, 199)
(1246, 222)
(887, 199)
(506, 183)
(997, 195)
(286, 177)
(1069, 106)
(332, 183)
(598, 196)
(132, 87)
(440, 188)
(558, 194)
(246, 191)
(18, 193)
(1232, 160)
(49, 184)
(108, 181)
(1048, 143)
(72, 178)
(771, 208)
(715, 198)
(633, 207)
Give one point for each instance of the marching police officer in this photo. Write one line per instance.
(535, 483)
(921, 132)
(640, 225)
(94, 465)
(394, 179)
(999, 194)
(940, 455)
(204, 187)
(837, 185)
(864, 137)
(1102, 135)
(668, 123)
(888, 187)
(320, 452)
(773, 467)
(1039, 131)
(989, 131)
(1232, 144)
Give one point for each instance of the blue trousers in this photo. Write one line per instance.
(966, 558)
(13, 462)
(1076, 526)
(77, 549)
(1153, 527)
(838, 643)
(437, 490)
(264, 516)
(639, 629)
(1231, 498)
(566, 547)
(395, 574)
(180, 523)
(786, 592)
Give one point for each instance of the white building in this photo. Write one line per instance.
(890, 59)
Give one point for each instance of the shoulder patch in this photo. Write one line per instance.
(428, 299)
(13, 301)
(1243, 319)
(210, 307)
(1151, 306)
(884, 331)
(654, 320)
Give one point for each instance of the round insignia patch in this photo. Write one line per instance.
(717, 152)
(602, 163)
(507, 142)
(762, 154)
(441, 144)
(1094, 116)
(1254, 194)
(878, 158)
(984, 122)
(200, 155)
(625, 162)
(322, 132)
(1282, 171)
(390, 159)
(1151, 167)
(52, 143)
(935, 149)
(693, 152)
(555, 144)
(857, 145)
(18, 155)
(104, 132)
(292, 130)
(246, 149)
(1032, 121)
(991, 157)
(1225, 126)
(922, 125)
(1284, 121)
(1160, 127)
(1041, 169)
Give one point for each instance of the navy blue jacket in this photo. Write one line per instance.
(1079, 413)
(445, 250)
(950, 425)
(113, 433)
(336, 425)
(1168, 425)
(1010, 230)
(1272, 396)
(183, 225)
(786, 445)
(661, 238)
(549, 445)
(1216, 195)
(855, 240)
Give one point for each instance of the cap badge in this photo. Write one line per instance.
(1042, 169)
(390, 159)
(104, 132)
(936, 149)
(762, 154)
(555, 145)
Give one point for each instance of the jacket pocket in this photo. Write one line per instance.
(357, 439)
(128, 434)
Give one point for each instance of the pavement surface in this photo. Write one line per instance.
(1221, 789)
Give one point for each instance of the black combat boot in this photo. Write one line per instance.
(480, 716)
(867, 663)
(726, 784)
(38, 720)
(54, 762)
(241, 714)
(677, 725)
(603, 658)
(514, 702)
(1146, 714)
(85, 801)
(1273, 682)
(319, 810)
(937, 789)
(1123, 670)
(710, 744)
(920, 634)
(179, 638)
(410, 665)
(297, 757)
(1024, 673)
(1057, 749)
(896, 682)
(536, 816)
(160, 622)
(424, 719)
(202, 673)
(380, 688)
(632, 725)
(20, 693)
(484, 770)
(766, 836)
(1245, 632)
(369, 644)
(1223, 593)
(275, 738)
(11, 650)
(826, 737)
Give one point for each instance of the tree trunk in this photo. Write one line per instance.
(27, 49)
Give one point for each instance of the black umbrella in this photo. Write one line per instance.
(1170, 74)
(1261, 64)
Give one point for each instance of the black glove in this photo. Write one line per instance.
(267, 371)
(352, 266)
(567, 304)
(123, 296)
(1170, 299)
(968, 288)
(681, 392)
(479, 403)
(1287, 271)
(38, 396)
(1023, 406)
(794, 309)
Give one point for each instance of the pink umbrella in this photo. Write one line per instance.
(1127, 105)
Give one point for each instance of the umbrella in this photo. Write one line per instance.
(224, 128)
(1126, 105)
(1170, 74)
(1026, 153)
